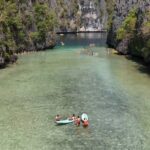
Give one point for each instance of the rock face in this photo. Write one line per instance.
(93, 15)
(82, 15)
(129, 30)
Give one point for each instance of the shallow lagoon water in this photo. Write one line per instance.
(113, 90)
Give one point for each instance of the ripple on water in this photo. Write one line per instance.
(109, 88)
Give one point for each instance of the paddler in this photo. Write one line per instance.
(57, 118)
(73, 117)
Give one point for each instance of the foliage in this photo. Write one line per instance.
(45, 20)
(110, 10)
(128, 26)
(12, 25)
(121, 33)
(22, 26)
(146, 24)
(34, 36)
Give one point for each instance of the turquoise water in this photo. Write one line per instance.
(113, 90)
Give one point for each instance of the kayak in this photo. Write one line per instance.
(63, 122)
(84, 116)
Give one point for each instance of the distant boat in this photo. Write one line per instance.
(92, 45)
(62, 43)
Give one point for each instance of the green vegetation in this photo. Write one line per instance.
(110, 10)
(138, 36)
(12, 26)
(146, 24)
(66, 11)
(11, 30)
(22, 27)
(128, 26)
(45, 20)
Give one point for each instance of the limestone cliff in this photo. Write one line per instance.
(93, 15)
(129, 30)
(82, 15)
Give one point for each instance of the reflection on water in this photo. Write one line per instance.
(82, 39)
(110, 88)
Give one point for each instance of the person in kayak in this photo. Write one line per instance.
(73, 117)
(57, 118)
(77, 122)
(85, 123)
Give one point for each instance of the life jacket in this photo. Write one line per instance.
(78, 121)
(85, 123)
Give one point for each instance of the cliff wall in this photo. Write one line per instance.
(129, 30)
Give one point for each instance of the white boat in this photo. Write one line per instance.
(84, 116)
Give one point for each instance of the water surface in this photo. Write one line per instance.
(113, 90)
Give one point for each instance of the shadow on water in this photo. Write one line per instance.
(142, 66)
(144, 69)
